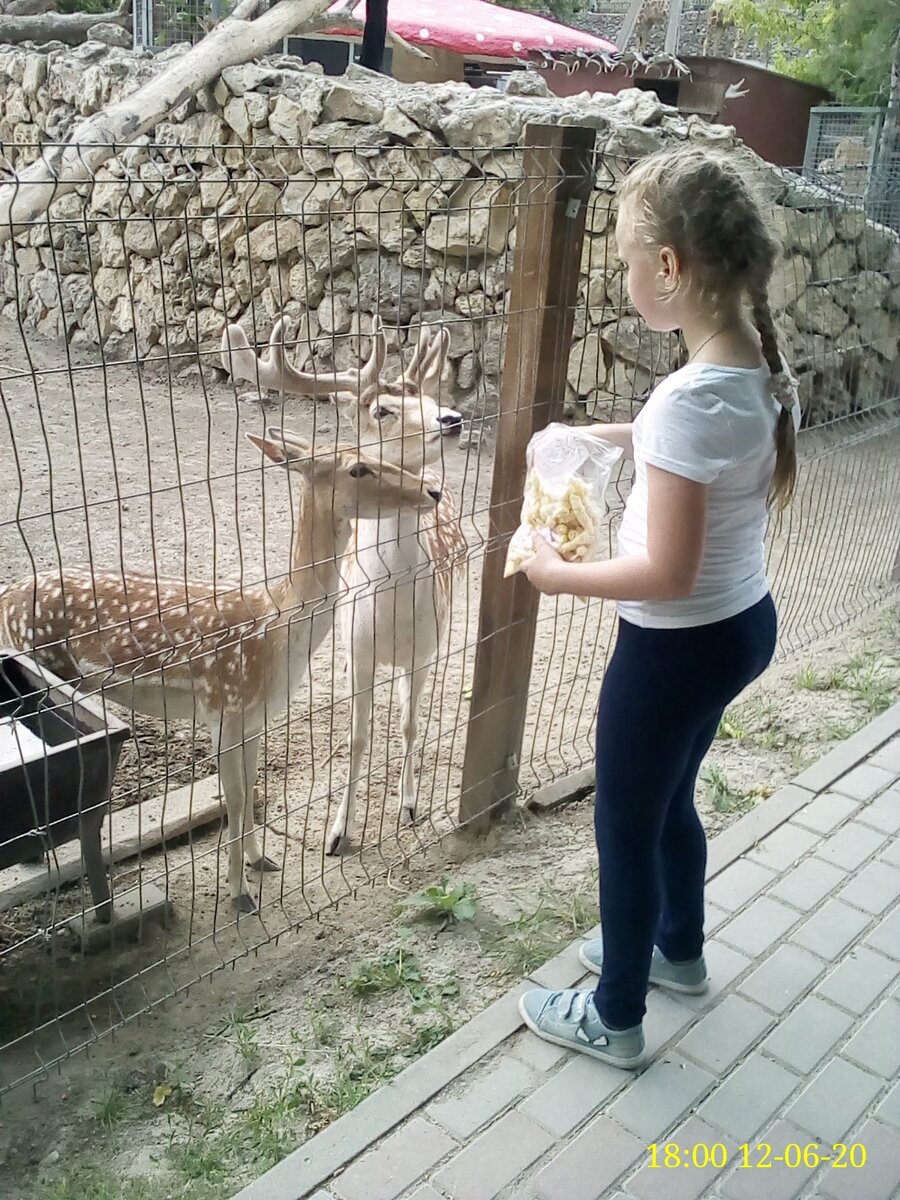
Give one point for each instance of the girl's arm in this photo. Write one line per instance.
(618, 435)
(676, 528)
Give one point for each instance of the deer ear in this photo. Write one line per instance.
(270, 449)
(282, 446)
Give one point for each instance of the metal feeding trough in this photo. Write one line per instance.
(58, 755)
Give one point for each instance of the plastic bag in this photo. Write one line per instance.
(569, 471)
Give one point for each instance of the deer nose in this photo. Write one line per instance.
(435, 494)
(450, 420)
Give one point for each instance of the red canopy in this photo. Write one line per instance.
(478, 29)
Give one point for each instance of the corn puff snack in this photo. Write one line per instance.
(563, 496)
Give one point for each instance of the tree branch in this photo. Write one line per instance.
(70, 28)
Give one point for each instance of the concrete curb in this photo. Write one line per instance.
(309, 1166)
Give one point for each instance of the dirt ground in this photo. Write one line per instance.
(205, 1091)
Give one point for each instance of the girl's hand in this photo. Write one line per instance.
(545, 569)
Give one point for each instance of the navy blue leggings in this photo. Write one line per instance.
(663, 696)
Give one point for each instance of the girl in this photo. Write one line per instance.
(713, 448)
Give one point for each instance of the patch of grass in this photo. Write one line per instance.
(725, 798)
(247, 1045)
(444, 901)
(199, 1158)
(866, 677)
(389, 972)
(358, 1069)
(115, 1102)
(397, 970)
(535, 936)
(428, 1036)
(325, 1029)
(730, 729)
(97, 1184)
(766, 729)
(238, 1026)
(869, 682)
(808, 679)
(839, 731)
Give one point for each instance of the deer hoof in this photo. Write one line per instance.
(408, 815)
(338, 843)
(245, 904)
(263, 865)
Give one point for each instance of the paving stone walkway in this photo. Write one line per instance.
(796, 1048)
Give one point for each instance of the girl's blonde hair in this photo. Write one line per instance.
(700, 204)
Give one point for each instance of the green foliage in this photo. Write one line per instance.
(730, 729)
(442, 902)
(88, 6)
(397, 971)
(389, 972)
(724, 797)
(843, 45)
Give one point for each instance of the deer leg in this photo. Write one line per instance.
(410, 693)
(233, 776)
(362, 675)
(256, 860)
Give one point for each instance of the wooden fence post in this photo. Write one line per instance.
(549, 235)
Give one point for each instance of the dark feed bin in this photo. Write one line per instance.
(58, 755)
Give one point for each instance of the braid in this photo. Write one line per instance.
(784, 478)
(701, 204)
(762, 318)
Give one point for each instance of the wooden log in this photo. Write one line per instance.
(70, 28)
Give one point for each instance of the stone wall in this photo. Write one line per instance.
(403, 200)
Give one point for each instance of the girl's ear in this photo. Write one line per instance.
(669, 268)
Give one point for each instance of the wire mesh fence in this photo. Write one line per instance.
(855, 152)
(291, 632)
(157, 24)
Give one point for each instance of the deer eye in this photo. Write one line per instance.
(381, 412)
(358, 470)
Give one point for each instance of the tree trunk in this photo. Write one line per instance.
(70, 28)
(374, 35)
(61, 168)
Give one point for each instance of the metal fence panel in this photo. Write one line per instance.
(855, 152)
(124, 451)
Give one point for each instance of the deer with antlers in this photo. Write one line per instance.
(399, 568)
(185, 650)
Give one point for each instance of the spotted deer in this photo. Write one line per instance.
(232, 657)
(399, 568)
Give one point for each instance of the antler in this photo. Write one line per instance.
(272, 370)
(427, 362)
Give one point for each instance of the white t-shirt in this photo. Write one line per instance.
(716, 426)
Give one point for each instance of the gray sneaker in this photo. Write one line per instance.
(689, 977)
(569, 1018)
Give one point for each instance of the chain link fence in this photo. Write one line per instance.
(184, 541)
(855, 152)
(161, 23)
